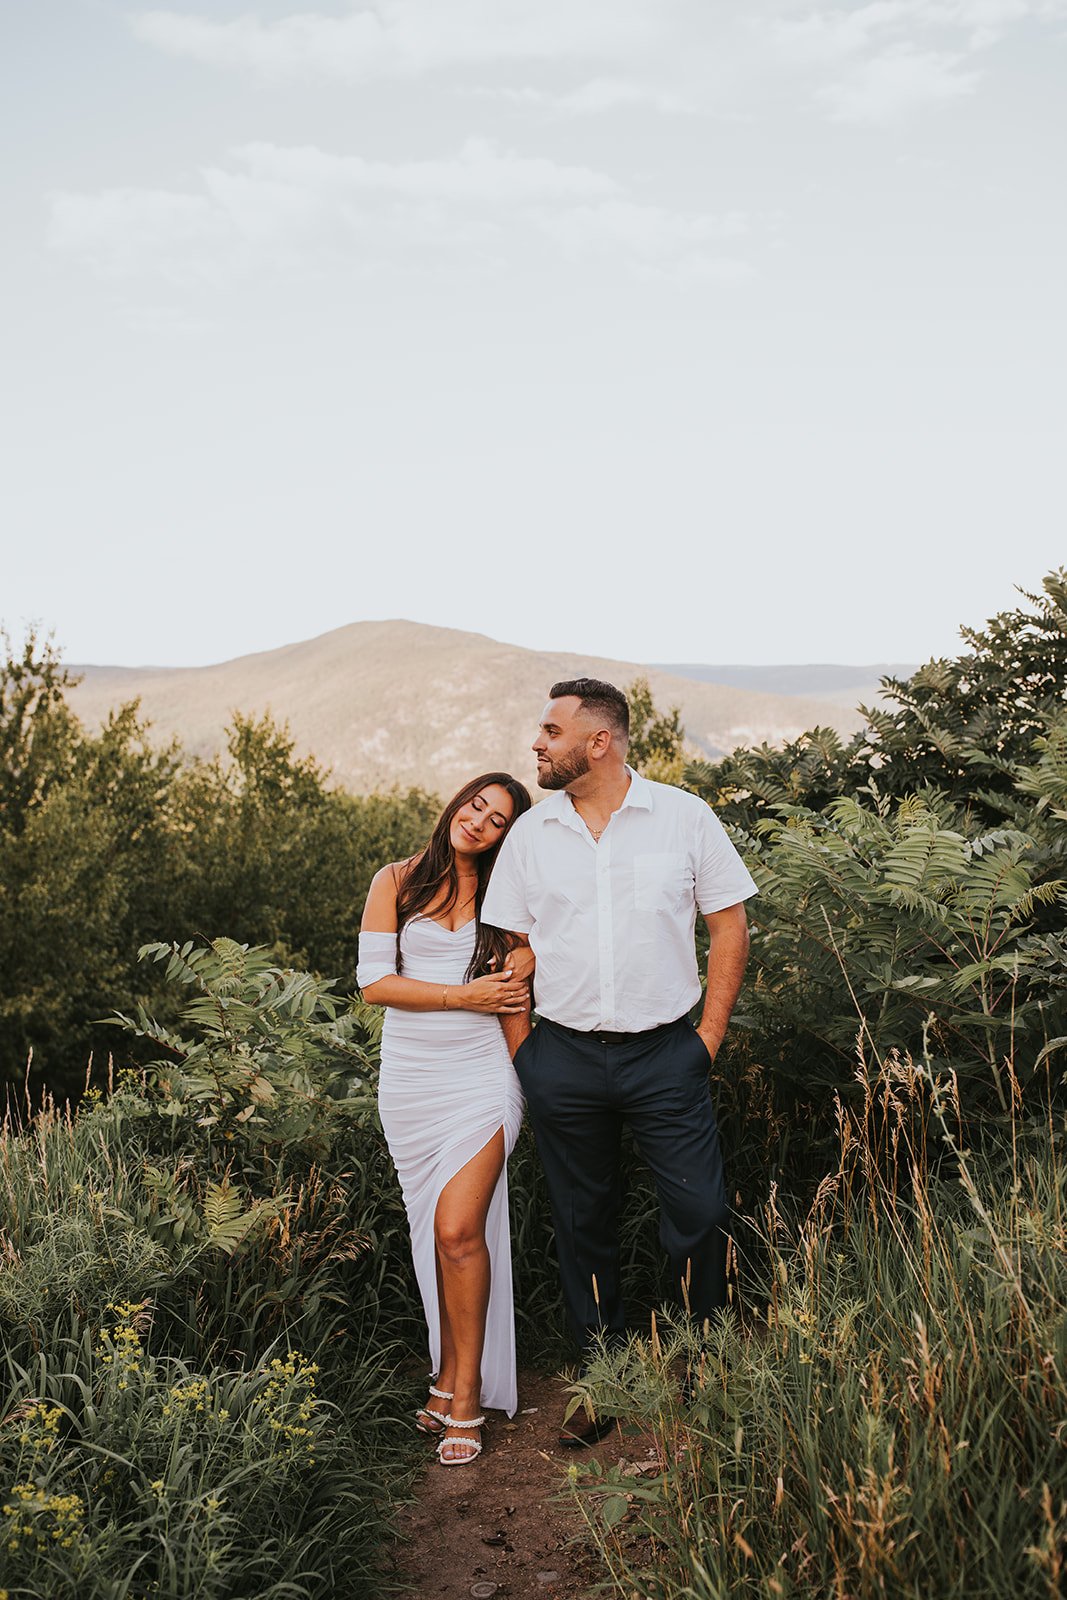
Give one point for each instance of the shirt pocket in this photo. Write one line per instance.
(662, 882)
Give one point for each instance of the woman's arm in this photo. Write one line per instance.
(496, 994)
(491, 995)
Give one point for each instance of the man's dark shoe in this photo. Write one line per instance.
(580, 1429)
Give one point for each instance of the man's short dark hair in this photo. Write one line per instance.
(602, 699)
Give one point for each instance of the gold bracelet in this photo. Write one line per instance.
(444, 998)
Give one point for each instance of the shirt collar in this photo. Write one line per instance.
(639, 793)
(559, 807)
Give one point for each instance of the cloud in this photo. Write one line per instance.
(879, 61)
(165, 323)
(608, 94)
(480, 173)
(835, 33)
(597, 96)
(302, 210)
(408, 38)
(887, 59)
(122, 233)
(656, 242)
(889, 86)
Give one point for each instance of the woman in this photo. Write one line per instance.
(449, 1099)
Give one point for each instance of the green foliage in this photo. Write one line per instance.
(266, 853)
(963, 727)
(107, 844)
(126, 1473)
(165, 1258)
(876, 920)
(883, 1414)
(751, 784)
(38, 732)
(82, 825)
(656, 737)
(277, 1058)
(900, 913)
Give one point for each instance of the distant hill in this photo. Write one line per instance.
(384, 703)
(837, 685)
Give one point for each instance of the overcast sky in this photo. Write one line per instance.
(703, 330)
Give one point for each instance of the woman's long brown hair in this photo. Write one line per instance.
(433, 870)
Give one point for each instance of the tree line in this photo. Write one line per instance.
(108, 842)
(912, 877)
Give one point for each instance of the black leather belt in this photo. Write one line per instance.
(606, 1036)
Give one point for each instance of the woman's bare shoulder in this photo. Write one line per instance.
(394, 873)
(379, 913)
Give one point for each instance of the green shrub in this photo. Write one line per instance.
(912, 894)
(108, 842)
(882, 1414)
(167, 1252)
(124, 1473)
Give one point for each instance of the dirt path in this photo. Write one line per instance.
(500, 1529)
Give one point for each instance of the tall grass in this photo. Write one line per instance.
(208, 1317)
(884, 1413)
(203, 1334)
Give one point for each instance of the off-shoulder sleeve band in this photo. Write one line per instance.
(377, 958)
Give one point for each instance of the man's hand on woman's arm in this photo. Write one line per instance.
(521, 958)
(495, 994)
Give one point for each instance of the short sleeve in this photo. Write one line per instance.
(506, 903)
(377, 958)
(722, 879)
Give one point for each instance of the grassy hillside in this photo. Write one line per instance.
(384, 703)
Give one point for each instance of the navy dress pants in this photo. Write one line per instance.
(580, 1092)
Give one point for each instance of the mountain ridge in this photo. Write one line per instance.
(835, 682)
(406, 704)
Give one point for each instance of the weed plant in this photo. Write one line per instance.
(203, 1309)
(884, 1414)
(132, 1474)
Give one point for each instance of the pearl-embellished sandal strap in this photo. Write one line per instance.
(470, 1448)
(475, 1422)
(441, 1394)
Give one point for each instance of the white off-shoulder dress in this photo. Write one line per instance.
(446, 1087)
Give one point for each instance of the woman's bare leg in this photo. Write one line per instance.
(463, 1282)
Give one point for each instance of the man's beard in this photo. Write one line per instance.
(563, 770)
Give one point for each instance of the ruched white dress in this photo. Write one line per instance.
(446, 1087)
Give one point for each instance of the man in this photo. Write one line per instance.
(605, 878)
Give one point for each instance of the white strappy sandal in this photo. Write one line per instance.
(472, 1447)
(438, 1420)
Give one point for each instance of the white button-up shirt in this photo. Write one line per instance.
(612, 924)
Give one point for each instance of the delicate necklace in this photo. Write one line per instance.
(596, 832)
